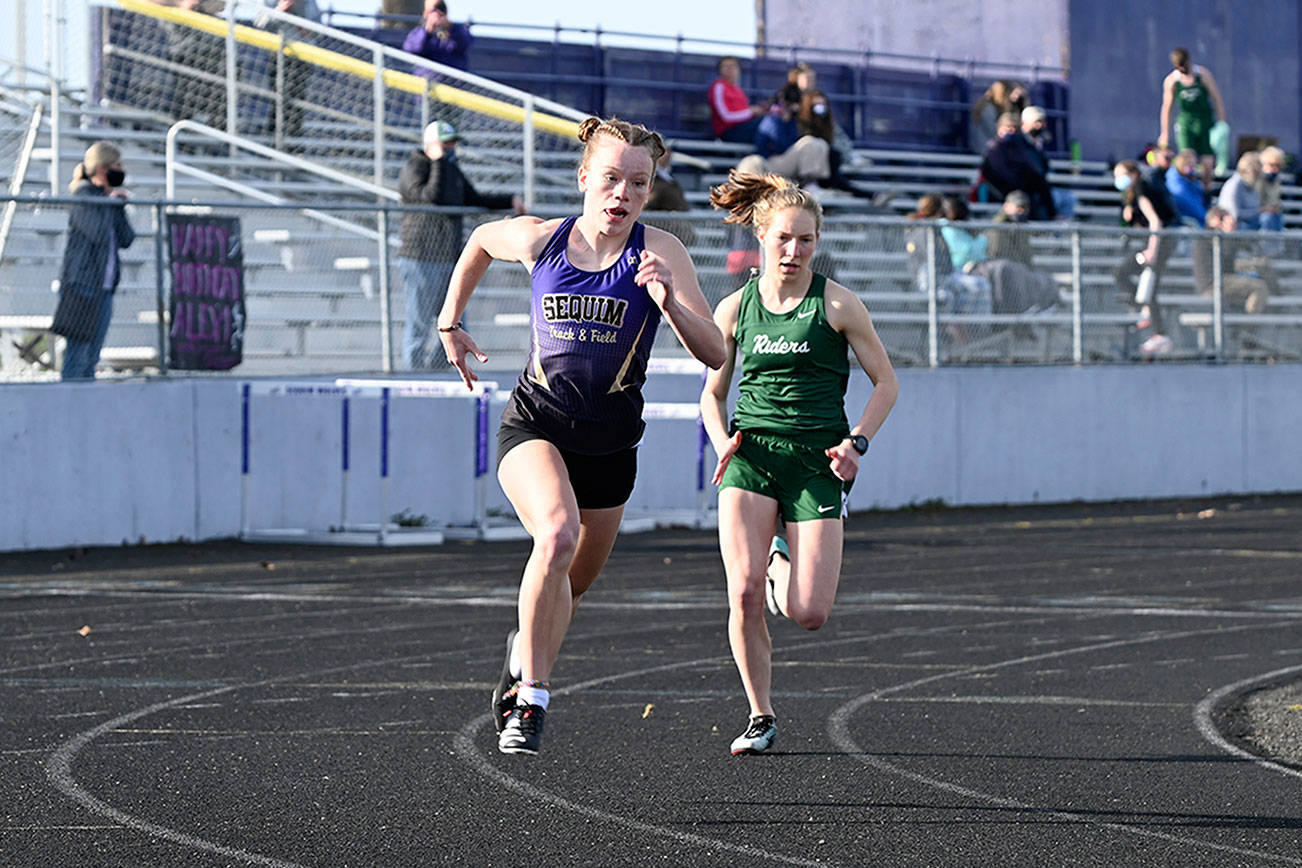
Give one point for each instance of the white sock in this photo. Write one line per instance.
(533, 696)
(516, 670)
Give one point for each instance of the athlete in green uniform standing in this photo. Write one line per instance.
(790, 451)
(1190, 93)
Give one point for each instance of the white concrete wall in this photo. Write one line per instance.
(999, 31)
(113, 463)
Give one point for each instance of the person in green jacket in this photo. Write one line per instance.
(1190, 93)
(789, 452)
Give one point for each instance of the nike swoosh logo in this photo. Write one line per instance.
(826, 508)
(806, 315)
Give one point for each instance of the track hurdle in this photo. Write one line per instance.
(383, 531)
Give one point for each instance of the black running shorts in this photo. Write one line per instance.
(599, 481)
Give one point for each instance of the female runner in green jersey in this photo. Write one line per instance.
(789, 451)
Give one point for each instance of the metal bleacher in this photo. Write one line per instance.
(314, 287)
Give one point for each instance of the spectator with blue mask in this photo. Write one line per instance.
(1146, 205)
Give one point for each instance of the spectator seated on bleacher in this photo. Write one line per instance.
(1016, 286)
(1269, 190)
(1239, 194)
(968, 290)
(1012, 162)
(1185, 188)
(1036, 132)
(780, 148)
(1001, 98)
(667, 195)
(1247, 278)
(815, 119)
(1006, 243)
(732, 116)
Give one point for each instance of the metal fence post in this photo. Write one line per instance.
(378, 90)
(933, 320)
(1218, 304)
(160, 238)
(232, 97)
(54, 41)
(280, 92)
(386, 309)
(1077, 308)
(527, 144)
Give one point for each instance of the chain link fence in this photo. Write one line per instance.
(314, 92)
(322, 290)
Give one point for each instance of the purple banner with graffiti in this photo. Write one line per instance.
(206, 328)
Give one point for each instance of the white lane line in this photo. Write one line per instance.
(464, 747)
(58, 768)
(1203, 720)
(1034, 700)
(838, 727)
(59, 771)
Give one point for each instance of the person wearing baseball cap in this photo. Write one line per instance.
(431, 240)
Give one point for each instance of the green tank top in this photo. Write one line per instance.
(1194, 105)
(794, 367)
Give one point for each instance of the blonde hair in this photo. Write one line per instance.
(1273, 154)
(1249, 161)
(632, 134)
(98, 154)
(752, 200)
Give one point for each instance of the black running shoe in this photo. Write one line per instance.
(504, 692)
(523, 732)
(761, 732)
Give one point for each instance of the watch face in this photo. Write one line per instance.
(860, 443)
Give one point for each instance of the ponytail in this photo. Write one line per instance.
(752, 200)
(98, 154)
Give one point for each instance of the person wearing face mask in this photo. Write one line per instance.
(1185, 189)
(815, 119)
(780, 147)
(1013, 162)
(1268, 189)
(91, 267)
(430, 240)
(1146, 205)
(1239, 193)
(1035, 129)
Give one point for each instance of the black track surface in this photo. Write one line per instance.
(996, 687)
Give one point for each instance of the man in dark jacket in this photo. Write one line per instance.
(1011, 163)
(431, 240)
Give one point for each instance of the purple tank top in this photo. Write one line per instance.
(592, 336)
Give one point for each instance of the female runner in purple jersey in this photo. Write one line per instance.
(567, 446)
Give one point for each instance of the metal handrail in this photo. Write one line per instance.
(771, 49)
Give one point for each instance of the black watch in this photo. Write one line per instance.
(860, 444)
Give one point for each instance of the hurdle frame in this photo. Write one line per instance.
(382, 532)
